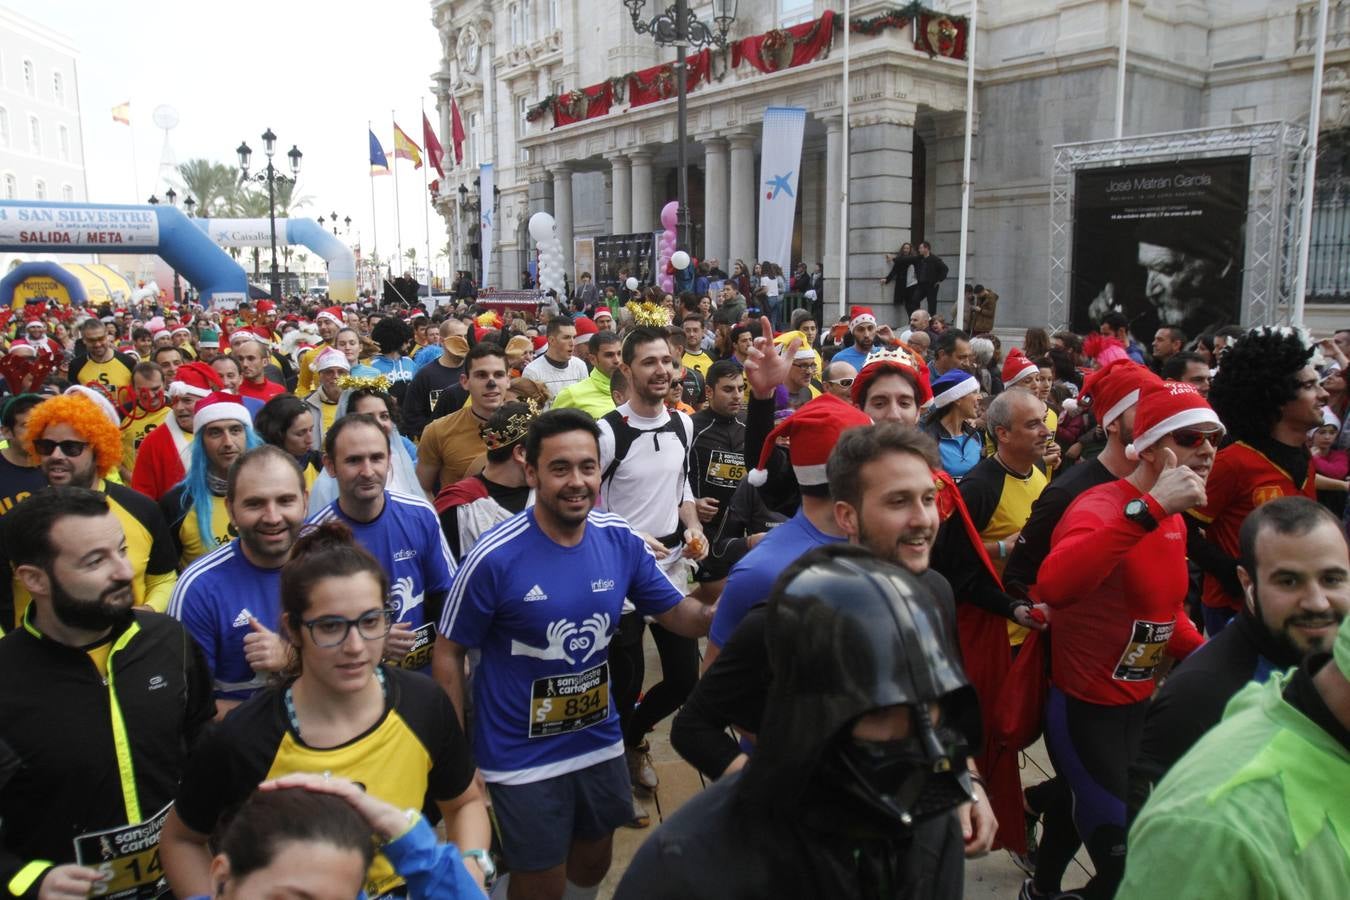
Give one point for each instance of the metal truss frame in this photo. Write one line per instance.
(1278, 152)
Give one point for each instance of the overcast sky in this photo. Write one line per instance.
(314, 72)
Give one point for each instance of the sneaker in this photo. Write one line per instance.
(641, 818)
(1027, 861)
(640, 769)
(1029, 892)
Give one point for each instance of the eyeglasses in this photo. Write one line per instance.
(842, 382)
(332, 631)
(72, 449)
(1189, 438)
(810, 367)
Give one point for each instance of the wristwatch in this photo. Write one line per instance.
(1137, 511)
(484, 860)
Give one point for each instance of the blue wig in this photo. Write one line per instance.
(198, 494)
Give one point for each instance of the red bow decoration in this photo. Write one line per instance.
(26, 373)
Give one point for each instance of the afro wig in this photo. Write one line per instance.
(90, 422)
(1258, 374)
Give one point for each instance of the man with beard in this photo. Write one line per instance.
(399, 530)
(86, 793)
(863, 325)
(195, 507)
(229, 600)
(98, 361)
(451, 444)
(540, 596)
(1268, 396)
(859, 764)
(77, 445)
(1295, 574)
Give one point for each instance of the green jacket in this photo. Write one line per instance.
(1259, 808)
(591, 395)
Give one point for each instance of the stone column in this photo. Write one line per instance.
(562, 214)
(879, 188)
(834, 148)
(743, 237)
(621, 200)
(644, 218)
(715, 196)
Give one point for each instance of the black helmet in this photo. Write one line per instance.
(848, 633)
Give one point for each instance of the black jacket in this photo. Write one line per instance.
(59, 757)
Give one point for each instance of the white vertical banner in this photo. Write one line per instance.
(780, 164)
(485, 215)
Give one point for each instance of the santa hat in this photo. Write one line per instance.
(603, 311)
(35, 323)
(332, 358)
(861, 315)
(99, 399)
(332, 314)
(1165, 408)
(266, 306)
(22, 347)
(1016, 367)
(899, 360)
(194, 379)
(813, 429)
(218, 406)
(540, 342)
(952, 386)
(183, 329)
(156, 334)
(1111, 390)
(584, 326)
(244, 335)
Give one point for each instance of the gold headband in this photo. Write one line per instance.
(515, 427)
(364, 382)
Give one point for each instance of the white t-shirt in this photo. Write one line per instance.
(556, 378)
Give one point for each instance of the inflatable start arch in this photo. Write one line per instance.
(301, 232)
(31, 226)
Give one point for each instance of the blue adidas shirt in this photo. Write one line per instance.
(406, 538)
(752, 578)
(851, 355)
(214, 598)
(543, 616)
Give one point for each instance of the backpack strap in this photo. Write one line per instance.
(625, 435)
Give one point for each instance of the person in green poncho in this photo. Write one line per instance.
(1260, 807)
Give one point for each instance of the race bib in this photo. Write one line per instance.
(1142, 654)
(560, 704)
(128, 857)
(725, 468)
(419, 657)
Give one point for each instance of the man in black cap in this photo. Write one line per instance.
(860, 760)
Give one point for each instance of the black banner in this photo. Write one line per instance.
(1162, 242)
(633, 253)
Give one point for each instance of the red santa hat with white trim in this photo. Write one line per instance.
(1168, 407)
(218, 406)
(814, 429)
(332, 314)
(1016, 367)
(861, 315)
(1111, 390)
(194, 379)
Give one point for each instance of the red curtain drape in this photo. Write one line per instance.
(786, 47)
(584, 103)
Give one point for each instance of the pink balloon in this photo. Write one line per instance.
(670, 214)
(667, 284)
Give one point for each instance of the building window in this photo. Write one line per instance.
(59, 88)
(29, 78)
(527, 13)
(4, 127)
(34, 134)
(517, 25)
(39, 189)
(794, 12)
(1329, 240)
(68, 193)
(476, 139)
(557, 88)
(554, 14)
(63, 142)
(522, 128)
(11, 187)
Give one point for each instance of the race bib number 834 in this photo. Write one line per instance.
(560, 704)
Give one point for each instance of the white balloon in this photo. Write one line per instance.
(631, 283)
(679, 259)
(542, 226)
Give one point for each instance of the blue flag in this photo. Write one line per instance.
(379, 165)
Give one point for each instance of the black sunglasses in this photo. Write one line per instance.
(72, 449)
(1189, 438)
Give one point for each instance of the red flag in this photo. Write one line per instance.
(435, 152)
(456, 131)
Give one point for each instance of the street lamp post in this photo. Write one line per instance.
(683, 29)
(270, 177)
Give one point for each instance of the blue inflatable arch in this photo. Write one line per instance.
(32, 226)
(301, 232)
(24, 271)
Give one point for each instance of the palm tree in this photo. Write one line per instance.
(288, 201)
(211, 184)
(411, 254)
(249, 202)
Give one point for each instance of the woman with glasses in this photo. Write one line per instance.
(340, 712)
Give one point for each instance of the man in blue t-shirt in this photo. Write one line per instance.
(229, 599)
(399, 530)
(540, 597)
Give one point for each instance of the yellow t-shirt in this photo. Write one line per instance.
(134, 430)
(309, 379)
(99, 656)
(189, 536)
(700, 362)
(113, 375)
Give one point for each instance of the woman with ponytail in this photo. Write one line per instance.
(338, 711)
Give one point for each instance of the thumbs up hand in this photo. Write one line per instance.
(264, 650)
(1176, 488)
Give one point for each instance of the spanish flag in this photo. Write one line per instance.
(122, 113)
(404, 148)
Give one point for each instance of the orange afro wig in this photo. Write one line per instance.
(89, 422)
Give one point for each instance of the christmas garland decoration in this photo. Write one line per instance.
(897, 17)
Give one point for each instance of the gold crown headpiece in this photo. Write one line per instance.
(901, 353)
(364, 383)
(647, 313)
(515, 427)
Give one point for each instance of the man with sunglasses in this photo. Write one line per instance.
(838, 380)
(1115, 581)
(1268, 395)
